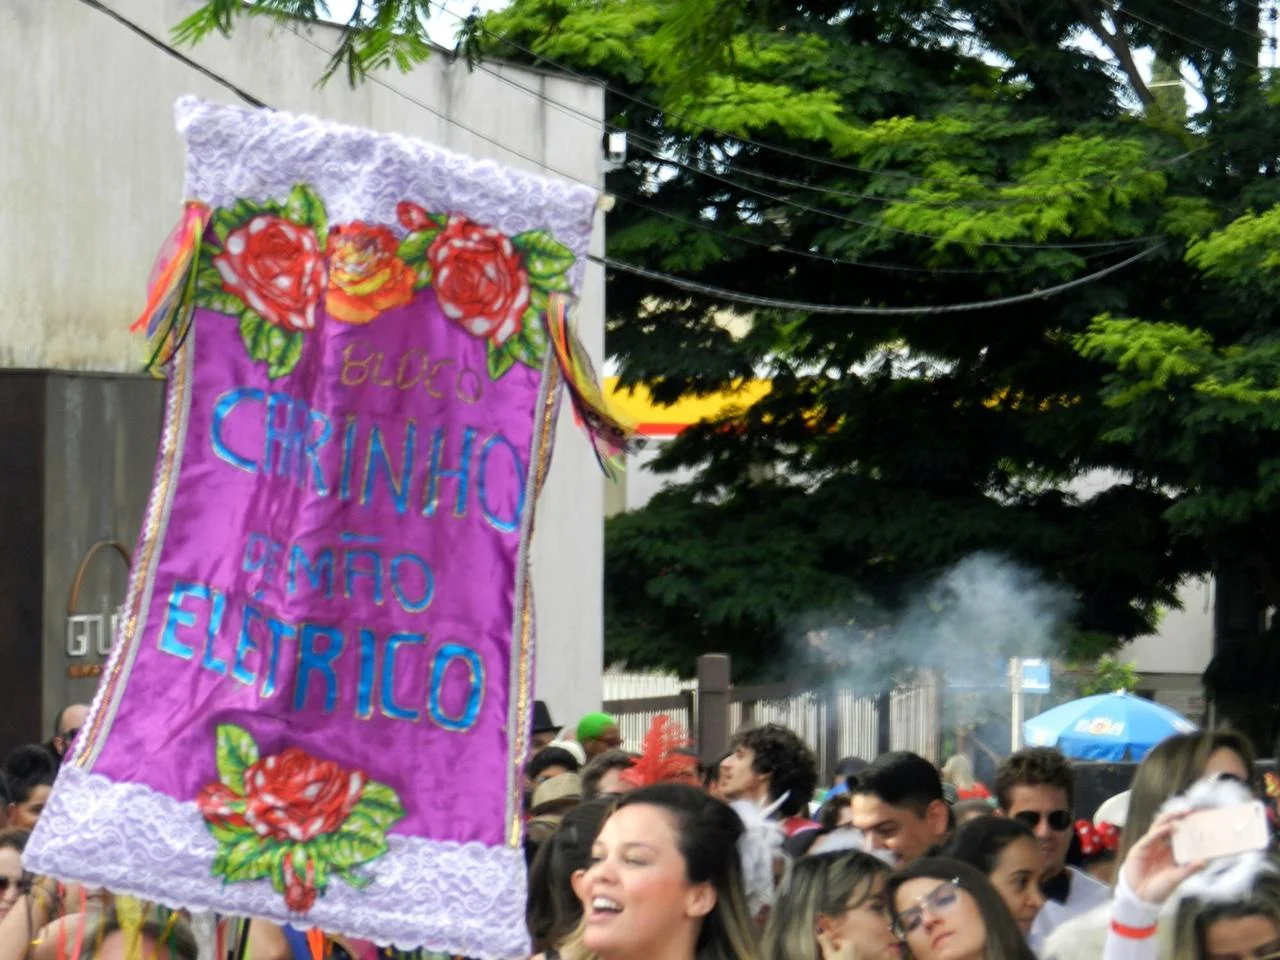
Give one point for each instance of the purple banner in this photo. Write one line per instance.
(317, 706)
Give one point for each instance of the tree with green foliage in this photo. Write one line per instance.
(917, 153)
(1110, 675)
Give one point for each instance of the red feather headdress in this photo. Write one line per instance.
(661, 759)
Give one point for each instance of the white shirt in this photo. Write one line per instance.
(1084, 894)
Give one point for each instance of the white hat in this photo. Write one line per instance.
(574, 747)
(1114, 811)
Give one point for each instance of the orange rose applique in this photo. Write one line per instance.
(366, 276)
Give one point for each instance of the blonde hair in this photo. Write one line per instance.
(824, 884)
(1169, 769)
(1194, 918)
(959, 771)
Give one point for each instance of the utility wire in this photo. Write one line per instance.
(178, 55)
(680, 283)
(654, 149)
(1252, 34)
(1115, 11)
(1004, 244)
(784, 151)
(744, 299)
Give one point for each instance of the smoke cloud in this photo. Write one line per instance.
(965, 624)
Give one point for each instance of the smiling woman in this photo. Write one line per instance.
(665, 881)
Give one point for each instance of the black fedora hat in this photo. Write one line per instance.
(542, 722)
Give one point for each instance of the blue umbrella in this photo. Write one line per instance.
(1110, 726)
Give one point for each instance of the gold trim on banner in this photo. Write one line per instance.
(523, 656)
(173, 437)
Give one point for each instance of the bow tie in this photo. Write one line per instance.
(1058, 888)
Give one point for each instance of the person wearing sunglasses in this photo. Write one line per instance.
(1036, 786)
(947, 910)
(66, 725)
(12, 843)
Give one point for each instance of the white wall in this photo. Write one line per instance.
(642, 483)
(91, 177)
(1183, 642)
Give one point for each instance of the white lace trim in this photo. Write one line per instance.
(236, 153)
(462, 899)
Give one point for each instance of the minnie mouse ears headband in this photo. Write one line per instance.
(1097, 840)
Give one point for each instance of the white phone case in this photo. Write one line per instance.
(1221, 832)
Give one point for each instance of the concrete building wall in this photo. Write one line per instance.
(1172, 659)
(101, 435)
(638, 484)
(91, 174)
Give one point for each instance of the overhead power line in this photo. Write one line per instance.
(1003, 244)
(769, 303)
(178, 55)
(655, 150)
(689, 286)
(783, 151)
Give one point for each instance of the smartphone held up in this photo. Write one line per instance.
(1220, 832)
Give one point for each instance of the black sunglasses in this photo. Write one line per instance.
(23, 884)
(1058, 819)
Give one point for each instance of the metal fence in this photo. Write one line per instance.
(835, 723)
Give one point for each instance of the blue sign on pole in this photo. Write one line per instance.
(1035, 676)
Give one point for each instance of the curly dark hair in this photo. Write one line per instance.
(786, 760)
(28, 767)
(1035, 767)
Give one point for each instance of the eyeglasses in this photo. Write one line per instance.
(937, 901)
(1058, 819)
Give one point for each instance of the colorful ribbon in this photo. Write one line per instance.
(612, 437)
(171, 289)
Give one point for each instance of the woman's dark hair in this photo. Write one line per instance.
(980, 842)
(27, 768)
(549, 757)
(829, 812)
(554, 910)
(15, 838)
(1004, 939)
(708, 833)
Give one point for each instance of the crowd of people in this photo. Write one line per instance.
(658, 855)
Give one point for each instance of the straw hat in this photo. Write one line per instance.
(557, 794)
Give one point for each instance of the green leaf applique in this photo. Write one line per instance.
(546, 258)
(236, 753)
(499, 360)
(305, 208)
